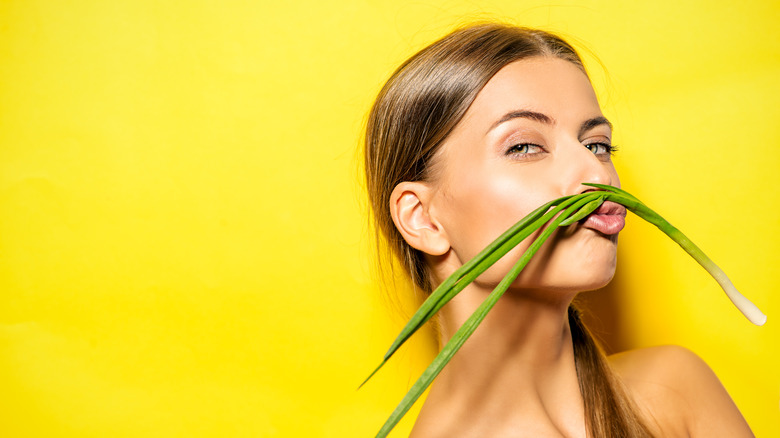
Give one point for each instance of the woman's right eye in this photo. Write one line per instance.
(524, 149)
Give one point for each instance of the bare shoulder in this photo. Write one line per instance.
(680, 392)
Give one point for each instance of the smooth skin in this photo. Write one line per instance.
(535, 133)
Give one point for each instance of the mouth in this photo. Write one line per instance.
(608, 219)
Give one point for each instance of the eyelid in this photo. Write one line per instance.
(597, 137)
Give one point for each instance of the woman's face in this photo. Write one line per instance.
(534, 133)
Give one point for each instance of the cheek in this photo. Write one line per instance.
(480, 208)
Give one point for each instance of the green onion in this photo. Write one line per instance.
(559, 212)
(751, 312)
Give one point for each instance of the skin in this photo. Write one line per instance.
(534, 133)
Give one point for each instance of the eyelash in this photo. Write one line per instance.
(609, 148)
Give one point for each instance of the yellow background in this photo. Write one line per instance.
(183, 238)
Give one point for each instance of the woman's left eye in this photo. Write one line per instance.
(599, 148)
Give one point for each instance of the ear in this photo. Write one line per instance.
(410, 205)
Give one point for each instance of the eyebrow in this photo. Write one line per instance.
(547, 120)
(523, 114)
(592, 123)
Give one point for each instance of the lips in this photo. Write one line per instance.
(608, 219)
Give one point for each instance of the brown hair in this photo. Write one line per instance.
(414, 113)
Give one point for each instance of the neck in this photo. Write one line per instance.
(519, 360)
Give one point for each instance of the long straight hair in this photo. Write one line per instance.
(415, 112)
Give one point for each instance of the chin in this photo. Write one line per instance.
(593, 264)
(581, 264)
(597, 274)
(595, 280)
(577, 280)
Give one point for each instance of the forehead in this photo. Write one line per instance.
(548, 85)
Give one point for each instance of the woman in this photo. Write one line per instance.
(467, 137)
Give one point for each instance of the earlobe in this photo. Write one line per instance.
(410, 208)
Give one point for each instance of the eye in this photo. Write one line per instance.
(601, 149)
(524, 149)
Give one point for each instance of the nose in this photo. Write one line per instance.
(583, 166)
